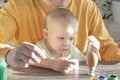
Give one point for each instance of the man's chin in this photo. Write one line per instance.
(58, 6)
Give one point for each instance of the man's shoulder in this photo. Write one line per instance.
(20, 2)
(82, 4)
(82, 1)
(20, 6)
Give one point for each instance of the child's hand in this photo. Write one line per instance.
(63, 65)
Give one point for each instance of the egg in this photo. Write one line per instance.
(92, 61)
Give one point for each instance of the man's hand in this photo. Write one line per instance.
(118, 45)
(24, 54)
(94, 45)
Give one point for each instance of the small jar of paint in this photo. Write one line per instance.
(3, 69)
(101, 77)
(94, 78)
(112, 77)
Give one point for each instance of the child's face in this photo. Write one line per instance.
(60, 36)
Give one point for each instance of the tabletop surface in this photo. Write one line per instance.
(34, 73)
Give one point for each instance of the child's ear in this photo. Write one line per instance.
(45, 33)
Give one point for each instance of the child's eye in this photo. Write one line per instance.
(71, 39)
(61, 38)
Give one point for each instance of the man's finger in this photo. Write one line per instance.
(35, 49)
(21, 63)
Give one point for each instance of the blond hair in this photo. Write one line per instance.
(64, 14)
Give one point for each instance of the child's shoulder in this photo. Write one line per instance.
(41, 43)
(74, 48)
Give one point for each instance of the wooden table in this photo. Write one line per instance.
(34, 73)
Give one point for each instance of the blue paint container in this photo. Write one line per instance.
(101, 77)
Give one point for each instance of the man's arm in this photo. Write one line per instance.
(7, 27)
(108, 48)
(4, 48)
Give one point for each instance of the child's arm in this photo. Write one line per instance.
(60, 64)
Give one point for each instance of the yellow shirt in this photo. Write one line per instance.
(23, 20)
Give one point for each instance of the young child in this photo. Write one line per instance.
(59, 33)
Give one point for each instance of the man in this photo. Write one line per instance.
(18, 25)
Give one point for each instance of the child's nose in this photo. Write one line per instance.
(66, 43)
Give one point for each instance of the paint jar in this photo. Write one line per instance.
(3, 69)
(101, 77)
(112, 77)
(76, 66)
(94, 78)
